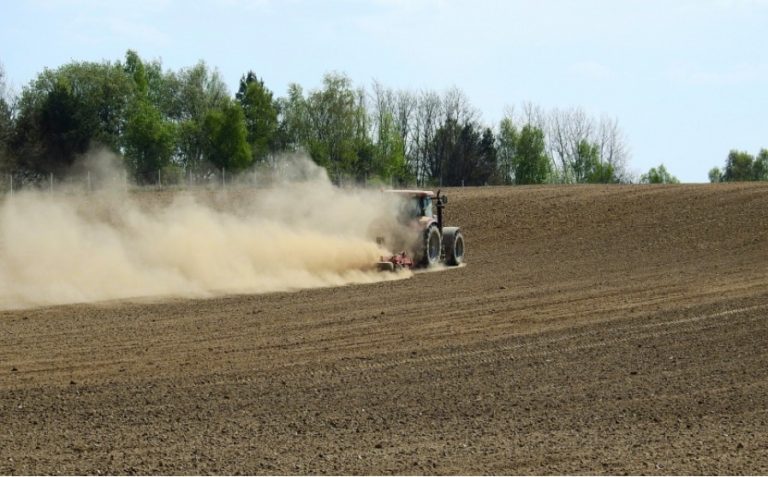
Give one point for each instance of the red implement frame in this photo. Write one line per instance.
(396, 262)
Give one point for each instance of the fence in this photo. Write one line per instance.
(92, 181)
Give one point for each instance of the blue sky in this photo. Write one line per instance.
(687, 79)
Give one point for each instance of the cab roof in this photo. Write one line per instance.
(411, 193)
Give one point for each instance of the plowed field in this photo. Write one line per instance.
(600, 329)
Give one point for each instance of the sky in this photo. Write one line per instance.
(687, 80)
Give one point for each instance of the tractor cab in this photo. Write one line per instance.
(421, 206)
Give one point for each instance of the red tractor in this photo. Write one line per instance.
(427, 241)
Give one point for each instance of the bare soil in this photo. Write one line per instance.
(595, 329)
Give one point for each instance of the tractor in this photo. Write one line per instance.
(426, 240)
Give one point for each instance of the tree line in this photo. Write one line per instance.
(186, 124)
(741, 166)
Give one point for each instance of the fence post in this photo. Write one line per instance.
(51, 181)
(159, 181)
(11, 176)
(223, 178)
(90, 187)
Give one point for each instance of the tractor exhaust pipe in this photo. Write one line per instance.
(441, 201)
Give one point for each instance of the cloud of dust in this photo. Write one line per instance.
(295, 230)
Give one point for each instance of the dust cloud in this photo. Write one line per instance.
(288, 228)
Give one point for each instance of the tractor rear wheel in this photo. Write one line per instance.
(453, 244)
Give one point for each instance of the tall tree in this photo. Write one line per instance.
(293, 122)
(65, 111)
(462, 155)
(149, 142)
(391, 113)
(530, 163)
(444, 148)
(404, 111)
(575, 139)
(6, 124)
(461, 163)
(507, 139)
(260, 114)
(336, 120)
(149, 138)
(456, 106)
(487, 166)
(739, 166)
(199, 90)
(760, 166)
(226, 138)
(388, 160)
(429, 109)
(614, 152)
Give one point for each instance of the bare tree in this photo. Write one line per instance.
(362, 121)
(613, 148)
(569, 130)
(429, 109)
(558, 143)
(457, 107)
(6, 120)
(405, 109)
(392, 112)
(382, 99)
(534, 115)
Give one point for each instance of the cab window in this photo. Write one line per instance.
(426, 206)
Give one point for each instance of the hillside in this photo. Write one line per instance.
(594, 329)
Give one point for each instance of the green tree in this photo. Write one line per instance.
(461, 162)
(149, 142)
(507, 139)
(444, 148)
(602, 173)
(462, 154)
(530, 163)
(387, 160)
(161, 89)
(226, 138)
(586, 158)
(588, 166)
(760, 166)
(658, 175)
(487, 167)
(391, 115)
(739, 166)
(260, 114)
(196, 91)
(715, 175)
(293, 122)
(330, 124)
(65, 111)
(149, 138)
(135, 68)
